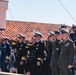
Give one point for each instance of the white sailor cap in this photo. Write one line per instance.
(21, 36)
(51, 33)
(65, 31)
(38, 34)
(4, 38)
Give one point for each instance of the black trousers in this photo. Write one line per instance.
(21, 69)
(34, 69)
(65, 71)
(55, 70)
(47, 67)
(4, 67)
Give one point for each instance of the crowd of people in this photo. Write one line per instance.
(54, 56)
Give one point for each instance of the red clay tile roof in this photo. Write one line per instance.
(13, 28)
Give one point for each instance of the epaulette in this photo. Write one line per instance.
(26, 46)
(13, 43)
(23, 58)
(29, 44)
(40, 59)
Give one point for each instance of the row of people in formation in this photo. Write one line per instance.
(52, 57)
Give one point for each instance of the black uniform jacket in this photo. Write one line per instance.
(37, 51)
(21, 52)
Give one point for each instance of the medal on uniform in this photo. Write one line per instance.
(57, 48)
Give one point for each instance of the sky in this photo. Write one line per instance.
(42, 11)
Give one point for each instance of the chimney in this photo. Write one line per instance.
(3, 8)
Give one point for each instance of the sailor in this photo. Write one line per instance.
(37, 54)
(21, 54)
(66, 54)
(5, 53)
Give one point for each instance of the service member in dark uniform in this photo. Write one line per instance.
(67, 54)
(73, 35)
(5, 54)
(21, 54)
(49, 43)
(30, 55)
(55, 54)
(47, 60)
(37, 55)
(63, 26)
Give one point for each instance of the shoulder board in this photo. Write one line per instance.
(13, 43)
(26, 46)
(39, 59)
(29, 44)
(23, 58)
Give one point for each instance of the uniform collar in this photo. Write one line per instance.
(66, 40)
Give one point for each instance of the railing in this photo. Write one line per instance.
(4, 73)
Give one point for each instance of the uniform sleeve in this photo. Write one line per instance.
(72, 47)
(41, 52)
(24, 53)
(8, 51)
